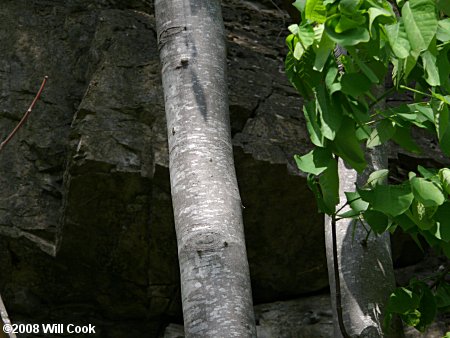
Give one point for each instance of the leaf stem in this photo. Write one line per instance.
(26, 115)
(383, 96)
(414, 90)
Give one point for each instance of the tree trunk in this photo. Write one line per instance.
(365, 267)
(215, 279)
(365, 271)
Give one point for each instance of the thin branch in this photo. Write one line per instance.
(25, 116)
(337, 279)
(5, 319)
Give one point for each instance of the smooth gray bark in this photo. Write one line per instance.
(215, 279)
(365, 267)
(366, 272)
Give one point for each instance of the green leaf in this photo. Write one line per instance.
(403, 138)
(411, 318)
(350, 37)
(330, 78)
(315, 11)
(330, 116)
(403, 301)
(312, 124)
(306, 35)
(295, 75)
(315, 162)
(366, 70)
(422, 216)
(443, 30)
(313, 184)
(355, 201)
(355, 84)
(378, 221)
(429, 174)
(346, 23)
(442, 118)
(349, 6)
(442, 216)
(443, 64)
(398, 39)
(444, 176)
(426, 192)
(322, 49)
(300, 5)
(381, 133)
(347, 147)
(420, 23)
(392, 200)
(431, 70)
(405, 223)
(427, 306)
(375, 12)
(299, 50)
(444, 6)
(377, 177)
(329, 184)
(293, 29)
(443, 295)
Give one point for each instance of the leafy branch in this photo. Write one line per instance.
(25, 116)
(380, 41)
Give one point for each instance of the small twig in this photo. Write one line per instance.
(25, 116)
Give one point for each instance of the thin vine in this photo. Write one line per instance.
(25, 116)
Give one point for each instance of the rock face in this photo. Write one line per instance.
(300, 318)
(86, 222)
(85, 212)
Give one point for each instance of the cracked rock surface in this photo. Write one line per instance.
(85, 212)
(86, 225)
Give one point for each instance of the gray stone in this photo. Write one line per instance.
(85, 211)
(300, 318)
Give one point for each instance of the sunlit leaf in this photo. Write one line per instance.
(355, 201)
(443, 30)
(350, 37)
(377, 177)
(315, 11)
(323, 50)
(420, 23)
(300, 5)
(398, 39)
(306, 35)
(431, 70)
(426, 192)
(314, 162)
(375, 12)
(392, 200)
(444, 176)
